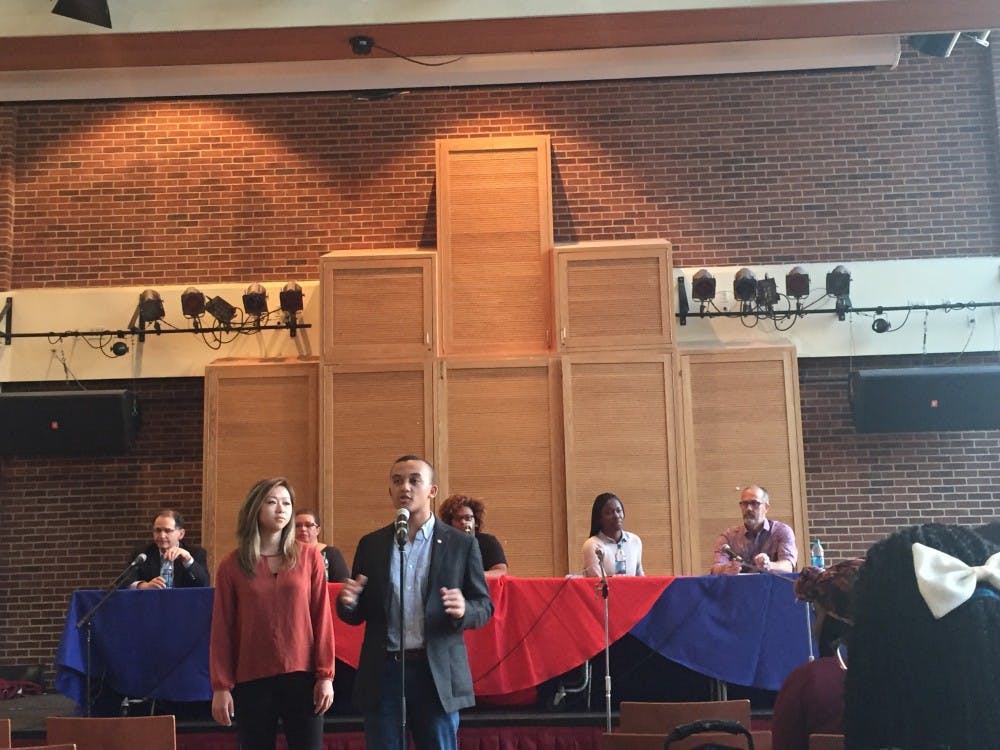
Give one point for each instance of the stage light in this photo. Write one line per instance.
(881, 325)
(88, 11)
(797, 283)
(221, 310)
(838, 282)
(291, 298)
(150, 307)
(745, 285)
(291, 305)
(255, 301)
(767, 292)
(192, 303)
(703, 286)
(119, 348)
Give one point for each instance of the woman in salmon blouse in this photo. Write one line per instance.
(271, 652)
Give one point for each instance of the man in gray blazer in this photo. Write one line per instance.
(444, 593)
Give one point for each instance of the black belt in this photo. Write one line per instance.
(411, 654)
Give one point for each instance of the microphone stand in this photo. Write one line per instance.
(86, 621)
(607, 640)
(401, 543)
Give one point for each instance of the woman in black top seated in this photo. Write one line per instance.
(307, 530)
(468, 514)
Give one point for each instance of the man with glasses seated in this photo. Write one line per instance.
(169, 563)
(759, 545)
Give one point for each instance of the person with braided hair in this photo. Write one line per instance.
(924, 652)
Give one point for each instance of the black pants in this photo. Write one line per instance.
(289, 697)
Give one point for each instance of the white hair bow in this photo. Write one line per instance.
(945, 582)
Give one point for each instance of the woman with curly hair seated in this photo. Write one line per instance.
(924, 660)
(811, 700)
(469, 514)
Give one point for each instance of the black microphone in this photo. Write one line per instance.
(123, 576)
(728, 552)
(402, 517)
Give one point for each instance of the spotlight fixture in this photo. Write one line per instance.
(192, 303)
(255, 301)
(838, 284)
(745, 285)
(119, 348)
(291, 305)
(767, 292)
(150, 307)
(88, 11)
(703, 286)
(881, 325)
(797, 283)
(221, 310)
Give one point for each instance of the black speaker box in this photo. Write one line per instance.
(926, 399)
(68, 423)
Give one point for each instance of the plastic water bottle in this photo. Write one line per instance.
(817, 554)
(167, 573)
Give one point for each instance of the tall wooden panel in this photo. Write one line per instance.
(620, 437)
(377, 305)
(614, 295)
(502, 437)
(260, 421)
(494, 221)
(372, 415)
(742, 426)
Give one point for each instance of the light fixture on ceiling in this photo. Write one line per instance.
(88, 11)
(291, 305)
(838, 284)
(255, 302)
(703, 286)
(797, 283)
(767, 292)
(192, 303)
(942, 45)
(745, 285)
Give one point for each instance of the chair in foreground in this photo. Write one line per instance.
(638, 741)
(116, 733)
(4, 732)
(826, 742)
(663, 718)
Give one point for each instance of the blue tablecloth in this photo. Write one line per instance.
(747, 630)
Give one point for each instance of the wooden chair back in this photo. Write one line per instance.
(4, 732)
(114, 733)
(70, 746)
(638, 741)
(826, 742)
(662, 718)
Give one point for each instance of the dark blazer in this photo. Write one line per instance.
(196, 575)
(455, 563)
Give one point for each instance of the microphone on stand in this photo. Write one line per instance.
(139, 560)
(402, 517)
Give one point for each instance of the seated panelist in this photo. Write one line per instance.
(188, 563)
(610, 547)
(469, 514)
(759, 544)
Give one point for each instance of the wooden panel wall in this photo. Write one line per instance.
(620, 437)
(742, 427)
(372, 414)
(260, 421)
(494, 202)
(501, 435)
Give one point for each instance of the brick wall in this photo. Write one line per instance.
(771, 168)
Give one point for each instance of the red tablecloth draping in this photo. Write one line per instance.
(541, 627)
